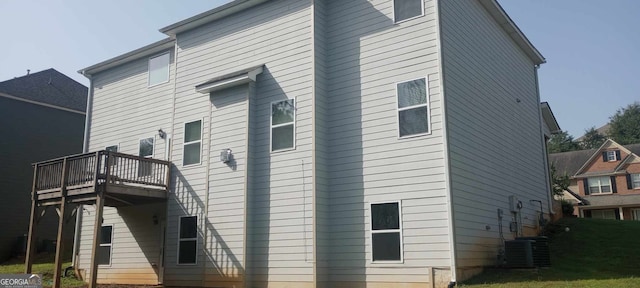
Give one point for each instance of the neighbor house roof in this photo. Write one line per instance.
(603, 130)
(612, 200)
(48, 87)
(570, 162)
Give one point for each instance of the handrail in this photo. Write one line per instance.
(113, 168)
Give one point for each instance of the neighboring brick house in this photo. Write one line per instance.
(41, 117)
(606, 180)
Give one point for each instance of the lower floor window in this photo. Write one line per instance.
(104, 250)
(386, 232)
(604, 214)
(636, 214)
(188, 241)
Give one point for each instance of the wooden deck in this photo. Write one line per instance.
(123, 179)
(101, 179)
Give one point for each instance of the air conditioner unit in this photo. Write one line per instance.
(519, 253)
(541, 252)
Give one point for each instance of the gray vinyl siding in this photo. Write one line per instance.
(126, 110)
(31, 133)
(494, 130)
(321, 176)
(367, 54)
(278, 35)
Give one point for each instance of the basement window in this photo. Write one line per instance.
(104, 250)
(188, 241)
(386, 232)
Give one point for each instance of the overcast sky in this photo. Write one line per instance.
(592, 46)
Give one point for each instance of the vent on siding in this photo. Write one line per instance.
(519, 253)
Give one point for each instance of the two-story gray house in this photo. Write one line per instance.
(313, 143)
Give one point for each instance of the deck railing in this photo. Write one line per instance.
(97, 168)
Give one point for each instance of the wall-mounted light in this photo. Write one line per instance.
(162, 134)
(226, 156)
(154, 218)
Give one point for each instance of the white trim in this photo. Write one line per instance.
(615, 156)
(401, 261)
(110, 245)
(426, 104)
(271, 126)
(186, 239)
(184, 143)
(393, 12)
(41, 104)
(149, 85)
(153, 148)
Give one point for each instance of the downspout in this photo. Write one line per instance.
(314, 140)
(85, 149)
(545, 155)
(447, 155)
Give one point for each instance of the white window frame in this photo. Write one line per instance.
(187, 239)
(153, 152)
(427, 104)
(185, 143)
(114, 163)
(602, 211)
(168, 54)
(599, 185)
(109, 245)
(611, 156)
(271, 126)
(393, 11)
(371, 232)
(635, 181)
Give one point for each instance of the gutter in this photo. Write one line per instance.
(85, 149)
(545, 154)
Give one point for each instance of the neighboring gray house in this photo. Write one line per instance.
(316, 144)
(41, 117)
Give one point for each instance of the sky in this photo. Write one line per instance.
(592, 47)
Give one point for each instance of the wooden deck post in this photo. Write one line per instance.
(59, 241)
(97, 227)
(33, 222)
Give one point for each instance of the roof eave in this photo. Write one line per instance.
(549, 118)
(209, 16)
(148, 50)
(498, 13)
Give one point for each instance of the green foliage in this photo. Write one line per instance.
(559, 182)
(567, 208)
(562, 142)
(590, 253)
(592, 139)
(625, 125)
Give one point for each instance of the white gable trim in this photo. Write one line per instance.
(606, 144)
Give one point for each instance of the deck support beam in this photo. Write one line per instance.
(33, 222)
(97, 227)
(61, 221)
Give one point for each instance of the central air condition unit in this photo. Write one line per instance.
(541, 252)
(519, 253)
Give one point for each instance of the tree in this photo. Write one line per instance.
(625, 125)
(559, 182)
(592, 139)
(562, 142)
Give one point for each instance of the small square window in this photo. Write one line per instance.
(611, 156)
(188, 241)
(283, 118)
(386, 236)
(407, 9)
(192, 143)
(413, 108)
(159, 69)
(104, 250)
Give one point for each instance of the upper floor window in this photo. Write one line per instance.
(610, 156)
(145, 149)
(283, 127)
(407, 9)
(386, 232)
(634, 179)
(599, 185)
(413, 108)
(159, 69)
(104, 251)
(192, 142)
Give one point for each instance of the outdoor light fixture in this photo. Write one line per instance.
(226, 156)
(155, 219)
(161, 133)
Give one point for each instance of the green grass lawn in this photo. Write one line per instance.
(43, 265)
(593, 253)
